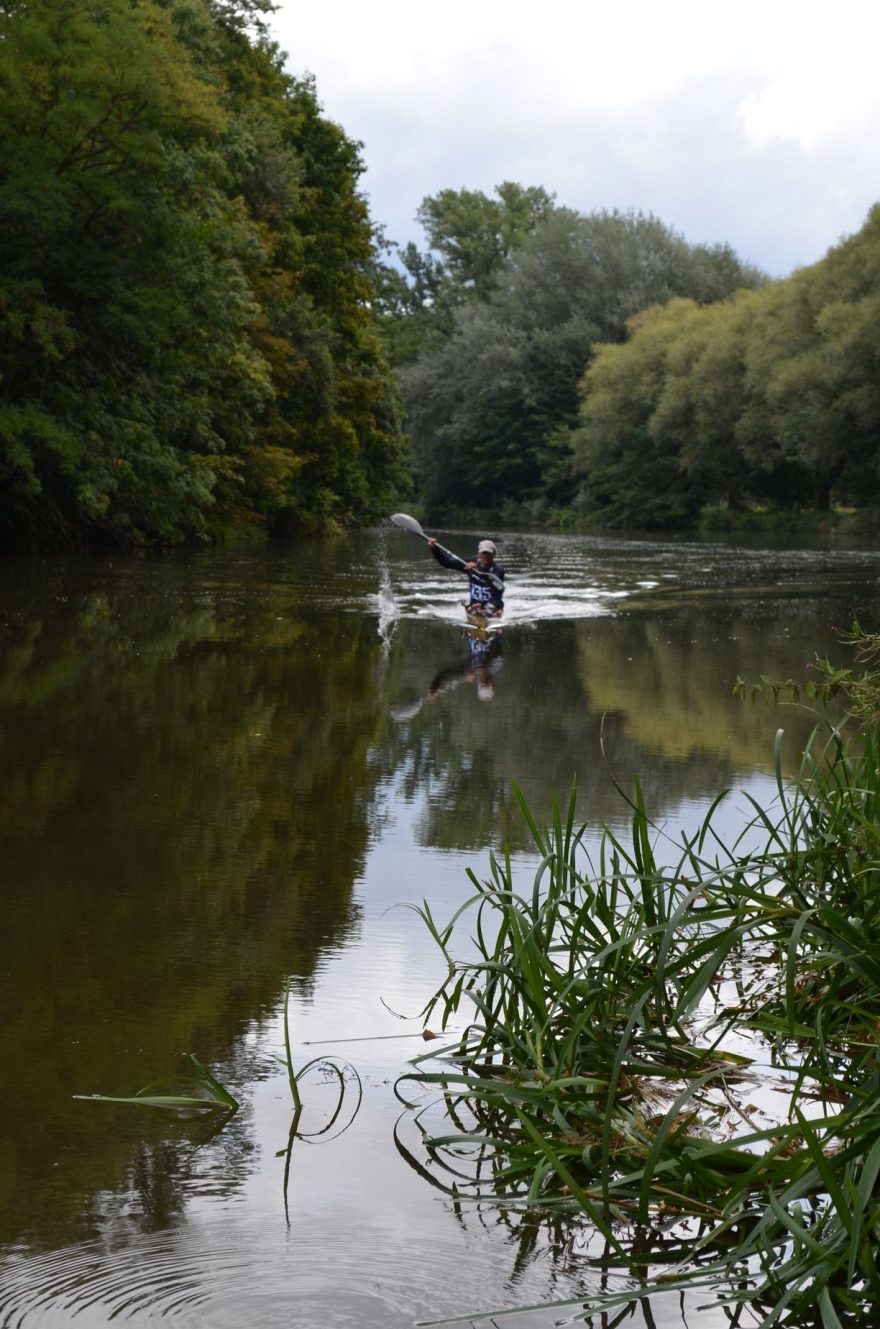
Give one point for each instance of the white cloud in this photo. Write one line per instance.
(756, 123)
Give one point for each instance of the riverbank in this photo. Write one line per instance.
(839, 523)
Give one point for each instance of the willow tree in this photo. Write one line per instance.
(814, 364)
(624, 467)
(773, 396)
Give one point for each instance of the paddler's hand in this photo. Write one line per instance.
(432, 540)
(469, 567)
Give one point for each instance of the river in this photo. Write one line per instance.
(227, 772)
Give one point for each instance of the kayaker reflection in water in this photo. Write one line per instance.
(486, 599)
(486, 577)
(481, 668)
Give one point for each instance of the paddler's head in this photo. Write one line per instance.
(486, 553)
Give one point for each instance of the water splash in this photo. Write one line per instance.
(388, 609)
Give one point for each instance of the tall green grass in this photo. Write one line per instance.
(601, 1071)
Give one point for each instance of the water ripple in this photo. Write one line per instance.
(363, 1279)
(552, 576)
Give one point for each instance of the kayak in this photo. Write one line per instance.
(481, 630)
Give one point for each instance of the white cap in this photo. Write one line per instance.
(485, 547)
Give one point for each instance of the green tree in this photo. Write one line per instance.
(491, 409)
(474, 234)
(627, 469)
(330, 449)
(470, 237)
(773, 396)
(697, 429)
(703, 396)
(711, 451)
(125, 295)
(186, 337)
(813, 357)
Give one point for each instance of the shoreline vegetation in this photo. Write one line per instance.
(678, 1041)
(843, 522)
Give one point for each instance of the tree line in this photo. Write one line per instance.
(186, 278)
(492, 327)
(601, 364)
(772, 396)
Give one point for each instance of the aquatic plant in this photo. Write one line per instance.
(343, 1072)
(600, 1069)
(340, 1070)
(212, 1096)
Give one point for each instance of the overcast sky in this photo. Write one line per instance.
(754, 121)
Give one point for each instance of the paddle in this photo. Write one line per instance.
(407, 523)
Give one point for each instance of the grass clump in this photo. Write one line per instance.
(621, 1014)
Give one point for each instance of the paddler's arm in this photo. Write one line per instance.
(448, 678)
(445, 558)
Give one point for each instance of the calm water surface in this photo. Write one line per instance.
(222, 773)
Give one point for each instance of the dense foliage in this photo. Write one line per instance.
(493, 333)
(185, 324)
(772, 396)
(470, 238)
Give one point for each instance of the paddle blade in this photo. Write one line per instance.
(406, 711)
(408, 524)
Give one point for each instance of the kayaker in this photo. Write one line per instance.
(486, 577)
